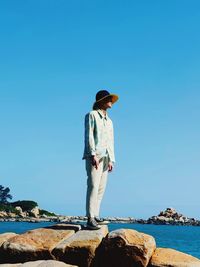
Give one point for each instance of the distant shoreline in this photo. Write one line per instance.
(167, 217)
(81, 219)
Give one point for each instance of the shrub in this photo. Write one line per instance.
(47, 213)
(8, 208)
(26, 205)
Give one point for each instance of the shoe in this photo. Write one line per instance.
(100, 221)
(92, 224)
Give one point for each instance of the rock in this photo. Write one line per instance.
(33, 245)
(80, 248)
(64, 226)
(171, 216)
(5, 237)
(21, 213)
(125, 248)
(10, 265)
(48, 263)
(35, 212)
(3, 214)
(11, 214)
(166, 257)
(19, 209)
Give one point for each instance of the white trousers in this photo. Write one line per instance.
(96, 184)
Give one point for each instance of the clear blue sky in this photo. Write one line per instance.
(55, 56)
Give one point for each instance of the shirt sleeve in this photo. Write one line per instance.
(111, 144)
(89, 134)
(113, 148)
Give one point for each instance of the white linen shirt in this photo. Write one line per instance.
(99, 135)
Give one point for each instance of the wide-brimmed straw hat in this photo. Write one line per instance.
(103, 94)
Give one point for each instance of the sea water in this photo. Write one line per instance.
(183, 238)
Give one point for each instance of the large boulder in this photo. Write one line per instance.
(20, 211)
(48, 263)
(12, 214)
(33, 245)
(63, 226)
(3, 214)
(6, 236)
(80, 249)
(166, 257)
(10, 265)
(126, 248)
(35, 212)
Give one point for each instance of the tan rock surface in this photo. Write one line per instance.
(48, 263)
(6, 236)
(33, 245)
(3, 214)
(80, 248)
(166, 257)
(65, 226)
(21, 213)
(125, 248)
(35, 212)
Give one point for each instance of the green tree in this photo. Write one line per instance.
(4, 194)
(26, 205)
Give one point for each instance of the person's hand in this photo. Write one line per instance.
(95, 161)
(110, 166)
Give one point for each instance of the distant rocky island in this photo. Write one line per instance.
(21, 210)
(28, 211)
(25, 210)
(167, 217)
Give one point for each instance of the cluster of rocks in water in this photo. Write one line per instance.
(74, 245)
(169, 216)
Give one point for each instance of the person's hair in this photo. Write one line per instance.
(95, 106)
(98, 105)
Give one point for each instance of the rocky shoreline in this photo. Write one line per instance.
(168, 217)
(74, 245)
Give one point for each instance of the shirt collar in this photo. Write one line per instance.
(102, 114)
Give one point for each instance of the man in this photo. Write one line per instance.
(98, 154)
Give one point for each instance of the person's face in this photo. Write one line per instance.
(107, 103)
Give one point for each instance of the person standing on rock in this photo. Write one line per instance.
(98, 154)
